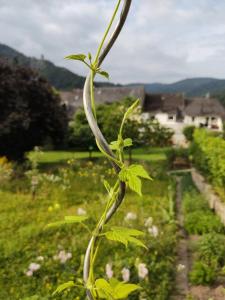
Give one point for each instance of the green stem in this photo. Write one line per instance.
(107, 32)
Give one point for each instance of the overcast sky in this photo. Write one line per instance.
(163, 40)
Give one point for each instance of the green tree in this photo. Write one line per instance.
(30, 112)
(109, 118)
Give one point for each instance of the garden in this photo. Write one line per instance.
(107, 207)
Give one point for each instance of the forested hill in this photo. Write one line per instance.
(191, 87)
(60, 78)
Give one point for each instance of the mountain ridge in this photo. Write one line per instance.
(59, 77)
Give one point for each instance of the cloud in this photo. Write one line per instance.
(163, 40)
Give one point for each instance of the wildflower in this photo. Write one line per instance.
(109, 271)
(81, 211)
(40, 258)
(149, 222)
(153, 231)
(180, 267)
(29, 273)
(125, 274)
(142, 271)
(130, 216)
(63, 256)
(34, 267)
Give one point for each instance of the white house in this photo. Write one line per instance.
(176, 112)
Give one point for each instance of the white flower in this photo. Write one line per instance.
(29, 273)
(40, 258)
(142, 271)
(149, 222)
(109, 271)
(63, 256)
(130, 216)
(154, 231)
(34, 267)
(125, 274)
(180, 267)
(81, 211)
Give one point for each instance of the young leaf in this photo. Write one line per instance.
(63, 287)
(114, 289)
(104, 289)
(103, 73)
(124, 236)
(80, 57)
(138, 170)
(123, 290)
(68, 220)
(131, 175)
(128, 143)
(116, 145)
(131, 108)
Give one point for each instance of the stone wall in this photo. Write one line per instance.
(213, 199)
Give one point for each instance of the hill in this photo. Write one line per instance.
(60, 78)
(191, 87)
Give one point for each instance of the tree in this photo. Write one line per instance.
(109, 118)
(30, 111)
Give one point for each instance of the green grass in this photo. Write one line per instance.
(56, 157)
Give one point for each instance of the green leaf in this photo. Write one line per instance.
(104, 289)
(68, 220)
(80, 57)
(128, 143)
(123, 290)
(131, 175)
(139, 170)
(117, 237)
(116, 145)
(103, 73)
(114, 289)
(131, 108)
(125, 236)
(63, 287)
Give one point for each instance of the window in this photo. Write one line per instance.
(193, 119)
(171, 117)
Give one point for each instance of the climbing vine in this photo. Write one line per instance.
(127, 177)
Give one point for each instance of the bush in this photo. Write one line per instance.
(202, 274)
(209, 156)
(211, 249)
(189, 132)
(31, 112)
(201, 222)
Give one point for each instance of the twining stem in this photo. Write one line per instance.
(96, 61)
(118, 191)
(107, 32)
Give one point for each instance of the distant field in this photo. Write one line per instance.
(52, 157)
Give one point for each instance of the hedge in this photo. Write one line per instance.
(209, 156)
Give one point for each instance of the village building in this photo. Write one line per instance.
(174, 111)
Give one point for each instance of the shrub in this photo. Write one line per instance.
(189, 132)
(211, 249)
(202, 274)
(201, 222)
(209, 156)
(31, 112)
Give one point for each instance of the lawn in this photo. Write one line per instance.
(57, 253)
(147, 154)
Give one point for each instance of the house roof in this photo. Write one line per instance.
(74, 98)
(204, 107)
(169, 103)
